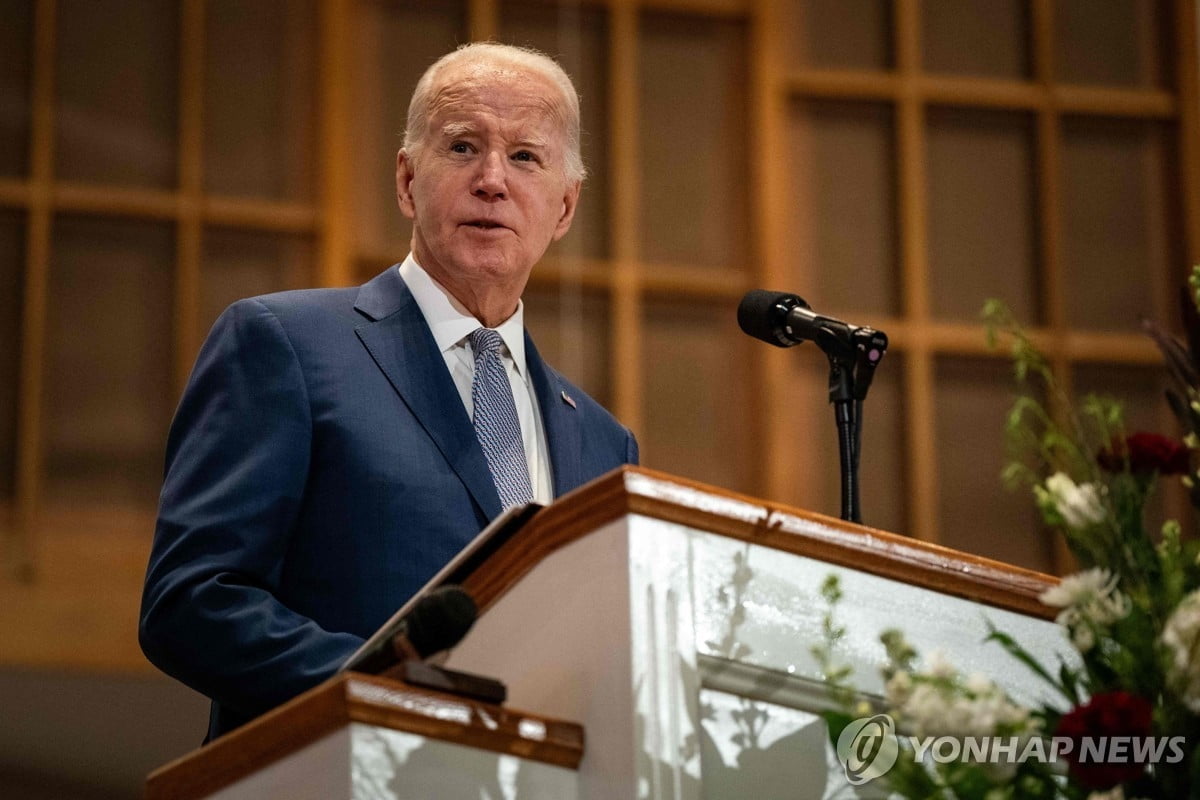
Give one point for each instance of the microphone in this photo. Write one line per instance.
(785, 320)
(437, 622)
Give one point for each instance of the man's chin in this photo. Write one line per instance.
(493, 265)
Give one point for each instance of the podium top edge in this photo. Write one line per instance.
(645, 492)
(371, 700)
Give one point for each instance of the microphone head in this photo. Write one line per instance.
(763, 314)
(440, 620)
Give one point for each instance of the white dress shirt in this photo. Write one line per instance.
(451, 324)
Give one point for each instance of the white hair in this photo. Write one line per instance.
(493, 53)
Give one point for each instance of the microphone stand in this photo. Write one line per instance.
(851, 369)
(841, 394)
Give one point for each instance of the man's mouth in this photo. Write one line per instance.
(483, 224)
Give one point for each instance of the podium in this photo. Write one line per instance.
(667, 623)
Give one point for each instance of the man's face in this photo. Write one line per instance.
(488, 191)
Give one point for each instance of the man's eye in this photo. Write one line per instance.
(460, 147)
(524, 155)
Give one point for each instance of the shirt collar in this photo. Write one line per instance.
(450, 321)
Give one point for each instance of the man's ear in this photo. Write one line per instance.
(404, 179)
(570, 201)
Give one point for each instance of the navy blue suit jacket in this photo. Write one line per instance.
(320, 469)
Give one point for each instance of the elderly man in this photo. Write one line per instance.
(334, 448)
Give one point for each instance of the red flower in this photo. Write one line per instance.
(1146, 453)
(1110, 714)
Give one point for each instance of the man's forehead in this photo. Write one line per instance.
(470, 90)
(536, 134)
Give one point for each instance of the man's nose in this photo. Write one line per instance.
(491, 182)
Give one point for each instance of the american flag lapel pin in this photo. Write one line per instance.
(568, 399)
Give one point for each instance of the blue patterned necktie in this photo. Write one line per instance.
(495, 419)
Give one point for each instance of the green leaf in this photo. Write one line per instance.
(1069, 681)
(1018, 652)
(836, 722)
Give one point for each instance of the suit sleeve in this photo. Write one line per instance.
(631, 449)
(237, 462)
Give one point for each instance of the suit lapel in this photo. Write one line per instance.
(561, 421)
(401, 344)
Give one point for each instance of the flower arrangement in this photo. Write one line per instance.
(1132, 612)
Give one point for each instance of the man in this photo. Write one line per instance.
(334, 448)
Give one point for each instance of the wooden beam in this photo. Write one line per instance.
(1052, 286)
(973, 92)
(769, 199)
(37, 276)
(843, 84)
(625, 334)
(264, 215)
(335, 259)
(15, 193)
(920, 439)
(1187, 61)
(188, 227)
(122, 201)
(483, 20)
(1139, 103)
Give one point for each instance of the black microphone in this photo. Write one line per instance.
(437, 622)
(784, 320)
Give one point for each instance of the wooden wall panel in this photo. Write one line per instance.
(1117, 221)
(117, 93)
(698, 386)
(841, 241)
(691, 140)
(836, 34)
(12, 251)
(108, 377)
(977, 513)
(16, 56)
(240, 263)
(1121, 43)
(982, 220)
(260, 98)
(976, 37)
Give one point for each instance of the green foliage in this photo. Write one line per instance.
(1018, 652)
(836, 674)
(1045, 434)
(1080, 465)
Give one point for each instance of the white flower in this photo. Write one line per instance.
(1181, 638)
(1082, 636)
(1094, 592)
(938, 702)
(978, 683)
(1090, 601)
(1078, 505)
(898, 689)
(939, 666)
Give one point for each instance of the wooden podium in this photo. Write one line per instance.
(670, 621)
